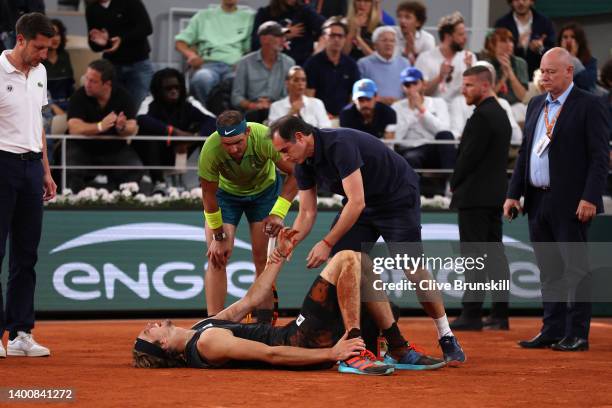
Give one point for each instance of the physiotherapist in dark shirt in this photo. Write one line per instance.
(381, 199)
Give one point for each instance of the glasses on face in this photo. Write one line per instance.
(409, 84)
(364, 99)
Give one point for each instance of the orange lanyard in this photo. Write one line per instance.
(550, 125)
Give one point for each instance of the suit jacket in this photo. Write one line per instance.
(578, 155)
(540, 26)
(480, 178)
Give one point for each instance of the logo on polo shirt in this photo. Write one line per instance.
(9, 88)
(40, 85)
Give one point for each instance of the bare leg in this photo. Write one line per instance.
(343, 271)
(215, 279)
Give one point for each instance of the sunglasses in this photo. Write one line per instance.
(409, 84)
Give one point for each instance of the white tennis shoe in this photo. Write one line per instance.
(25, 345)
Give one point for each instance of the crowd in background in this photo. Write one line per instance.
(342, 63)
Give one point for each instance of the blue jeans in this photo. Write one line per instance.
(209, 75)
(136, 78)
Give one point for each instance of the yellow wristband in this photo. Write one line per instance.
(281, 207)
(214, 220)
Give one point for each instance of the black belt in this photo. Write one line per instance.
(545, 189)
(29, 156)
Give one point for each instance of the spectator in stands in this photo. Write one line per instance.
(368, 115)
(384, 66)
(462, 111)
(330, 73)
(60, 77)
(532, 32)
(573, 38)
(329, 8)
(260, 75)
(10, 11)
(606, 83)
(169, 112)
(101, 107)
(443, 66)
(303, 26)
(311, 110)
(511, 71)
(213, 43)
(412, 40)
(363, 17)
(120, 30)
(422, 119)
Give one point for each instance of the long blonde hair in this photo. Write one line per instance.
(374, 19)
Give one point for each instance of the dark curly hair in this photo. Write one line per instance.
(61, 30)
(158, 79)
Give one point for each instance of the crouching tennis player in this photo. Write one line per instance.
(326, 331)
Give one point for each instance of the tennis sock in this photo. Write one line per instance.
(354, 333)
(443, 327)
(395, 341)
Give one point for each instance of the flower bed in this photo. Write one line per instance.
(129, 197)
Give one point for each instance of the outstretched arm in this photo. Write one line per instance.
(260, 289)
(220, 345)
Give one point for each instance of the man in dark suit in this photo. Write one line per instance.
(533, 33)
(561, 171)
(479, 187)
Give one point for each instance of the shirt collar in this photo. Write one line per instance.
(561, 99)
(518, 22)
(383, 59)
(6, 64)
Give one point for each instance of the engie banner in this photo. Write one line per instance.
(155, 260)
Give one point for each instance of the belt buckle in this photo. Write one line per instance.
(23, 156)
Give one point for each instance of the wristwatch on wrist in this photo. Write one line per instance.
(219, 236)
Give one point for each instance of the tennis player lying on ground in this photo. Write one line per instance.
(326, 331)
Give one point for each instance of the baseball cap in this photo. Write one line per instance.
(411, 74)
(364, 88)
(271, 28)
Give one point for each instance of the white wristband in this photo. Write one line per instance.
(99, 126)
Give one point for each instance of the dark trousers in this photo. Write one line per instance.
(21, 209)
(480, 232)
(560, 248)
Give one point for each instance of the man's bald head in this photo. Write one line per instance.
(557, 71)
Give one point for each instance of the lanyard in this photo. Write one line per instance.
(550, 125)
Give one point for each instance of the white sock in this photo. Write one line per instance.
(443, 327)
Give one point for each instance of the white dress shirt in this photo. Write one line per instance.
(312, 112)
(415, 128)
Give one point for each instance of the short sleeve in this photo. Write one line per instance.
(345, 157)
(207, 168)
(77, 106)
(263, 144)
(305, 176)
(190, 34)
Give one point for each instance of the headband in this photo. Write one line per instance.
(149, 348)
(232, 130)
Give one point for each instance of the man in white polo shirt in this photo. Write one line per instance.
(25, 176)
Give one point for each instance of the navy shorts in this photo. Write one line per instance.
(398, 220)
(256, 207)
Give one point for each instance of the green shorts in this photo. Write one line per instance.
(256, 207)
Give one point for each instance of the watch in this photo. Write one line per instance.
(219, 236)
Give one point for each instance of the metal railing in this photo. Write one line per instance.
(64, 167)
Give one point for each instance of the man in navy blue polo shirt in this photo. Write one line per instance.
(381, 198)
(367, 114)
(330, 73)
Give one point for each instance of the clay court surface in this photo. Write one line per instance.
(93, 358)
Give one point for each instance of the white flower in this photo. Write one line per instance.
(140, 198)
(196, 193)
(131, 186)
(126, 193)
(185, 195)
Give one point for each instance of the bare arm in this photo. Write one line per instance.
(80, 127)
(353, 187)
(220, 345)
(209, 198)
(258, 292)
(290, 186)
(307, 214)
